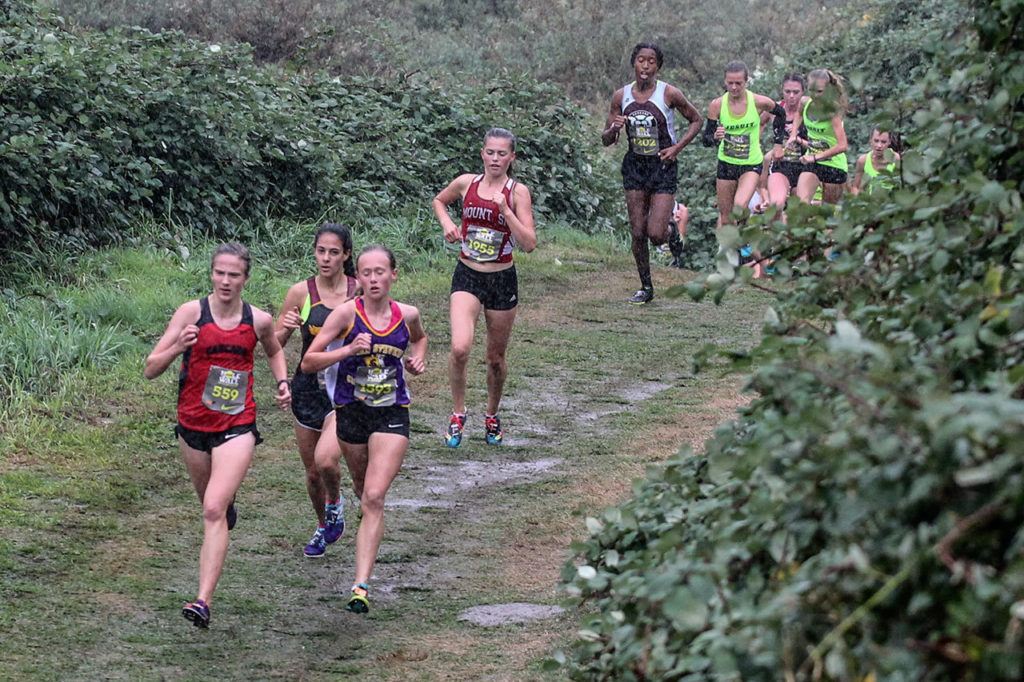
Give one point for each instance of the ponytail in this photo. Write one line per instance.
(839, 103)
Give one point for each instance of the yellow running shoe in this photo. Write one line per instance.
(359, 602)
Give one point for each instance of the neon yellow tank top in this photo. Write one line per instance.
(822, 137)
(742, 142)
(882, 178)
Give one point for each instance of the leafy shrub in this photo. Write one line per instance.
(101, 129)
(582, 47)
(862, 518)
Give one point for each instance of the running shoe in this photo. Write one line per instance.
(334, 522)
(359, 601)
(232, 515)
(455, 427)
(642, 296)
(493, 426)
(197, 612)
(317, 544)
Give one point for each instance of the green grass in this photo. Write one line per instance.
(100, 527)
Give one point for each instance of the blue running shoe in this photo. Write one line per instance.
(493, 426)
(746, 251)
(197, 612)
(317, 545)
(453, 438)
(334, 522)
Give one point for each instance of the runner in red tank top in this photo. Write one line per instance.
(216, 411)
(497, 214)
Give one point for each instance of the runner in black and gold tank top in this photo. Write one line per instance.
(783, 173)
(306, 306)
(645, 109)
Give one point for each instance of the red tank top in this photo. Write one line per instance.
(215, 382)
(485, 236)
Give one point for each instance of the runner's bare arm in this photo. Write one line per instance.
(336, 325)
(264, 325)
(519, 221)
(415, 357)
(858, 174)
(181, 333)
(289, 319)
(610, 134)
(455, 190)
(678, 100)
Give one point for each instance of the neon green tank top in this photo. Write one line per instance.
(742, 142)
(882, 178)
(822, 137)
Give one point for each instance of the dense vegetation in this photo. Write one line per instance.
(862, 518)
(101, 130)
(580, 45)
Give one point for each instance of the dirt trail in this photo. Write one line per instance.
(598, 391)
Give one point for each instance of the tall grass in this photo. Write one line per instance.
(88, 312)
(43, 350)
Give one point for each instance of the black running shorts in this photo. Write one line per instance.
(207, 441)
(495, 290)
(311, 407)
(789, 169)
(733, 171)
(357, 421)
(648, 174)
(828, 175)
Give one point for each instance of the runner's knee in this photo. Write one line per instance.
(214, 510)
(460, 353)
(372, 500)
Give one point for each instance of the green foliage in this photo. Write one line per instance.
(583, 45)
(99, 130)
(862, 517)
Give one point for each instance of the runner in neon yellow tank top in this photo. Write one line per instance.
(822, 116)
(734, 124)
(880, 165)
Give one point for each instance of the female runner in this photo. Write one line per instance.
(734, 124)
(381, 338)
(216, 412)
(497, 214)
(784, 172)
(824, 162)
(879, 165)
(306, 306)
(644, 109)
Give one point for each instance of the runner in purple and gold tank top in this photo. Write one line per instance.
(379, 340)
(306, 307)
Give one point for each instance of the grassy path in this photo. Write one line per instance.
(101, 529)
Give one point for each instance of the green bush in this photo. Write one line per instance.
(101, 129)
(862, 518)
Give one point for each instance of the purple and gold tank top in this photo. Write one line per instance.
(377, 378)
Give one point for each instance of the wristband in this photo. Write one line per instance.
(282, 381)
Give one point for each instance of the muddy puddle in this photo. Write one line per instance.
(494, 615)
